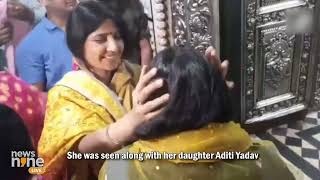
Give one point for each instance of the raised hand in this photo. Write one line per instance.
(6, 31)
(145, 87)
(223, 67)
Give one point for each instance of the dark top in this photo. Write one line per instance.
(136, 23)
(14, 137)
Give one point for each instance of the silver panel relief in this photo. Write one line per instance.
(194, 24)
(275, 60)
(315, 105)
(276, 49)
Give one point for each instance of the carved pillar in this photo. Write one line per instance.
(316, 101)
(195, 23)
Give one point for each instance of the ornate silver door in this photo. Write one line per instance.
(273, 61)
(315, 101)
(278, 58)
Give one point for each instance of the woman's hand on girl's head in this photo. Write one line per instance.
(143, 109)
(145, 87)
(223, 67)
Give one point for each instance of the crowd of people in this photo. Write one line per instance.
(81, 77)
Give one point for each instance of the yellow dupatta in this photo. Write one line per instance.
(226, 137)
(78, 105)
(215, 137)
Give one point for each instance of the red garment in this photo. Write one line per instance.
(24, 99)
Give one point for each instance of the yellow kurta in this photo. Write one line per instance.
(78, 105)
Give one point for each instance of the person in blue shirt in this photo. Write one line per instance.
(43, 57)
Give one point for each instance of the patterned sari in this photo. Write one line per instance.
(27, 101)
(78, 105)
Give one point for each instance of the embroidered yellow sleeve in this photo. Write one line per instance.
(70, 116)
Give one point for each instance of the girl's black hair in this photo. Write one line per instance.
(198, 94)
(14, 137)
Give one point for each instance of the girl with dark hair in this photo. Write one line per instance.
(197, 91)
(196, 120)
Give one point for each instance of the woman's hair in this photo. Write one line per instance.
(198, 94)
(135, 25)
(15, 137)
(86, 18)
(132, 13)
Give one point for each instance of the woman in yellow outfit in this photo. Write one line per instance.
(91, 110)
(196, 126)
(97, 108)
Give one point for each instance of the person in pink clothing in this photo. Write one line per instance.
(15, 22)
(26, 101)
